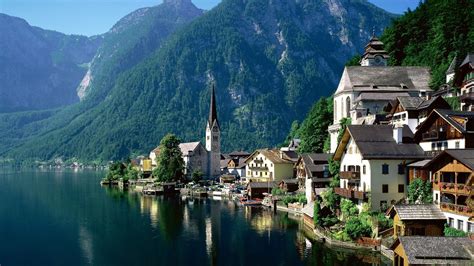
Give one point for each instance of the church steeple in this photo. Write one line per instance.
(375, 54)
(213, 109)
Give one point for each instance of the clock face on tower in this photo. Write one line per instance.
(378, 60)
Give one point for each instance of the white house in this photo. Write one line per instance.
(312, 172)
(365, 90)
(373, 160)
(266, 165)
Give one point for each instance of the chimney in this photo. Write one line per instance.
(398, 133)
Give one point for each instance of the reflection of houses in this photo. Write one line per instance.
(417, 220)
(466, 83)
(270, 165)
(365, 90)
(412, 111)
(453, 175)
(445, 129)
(312, 171)
(373, 160)
(197, 157)
(432, 250)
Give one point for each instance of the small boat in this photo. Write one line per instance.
(251, 202)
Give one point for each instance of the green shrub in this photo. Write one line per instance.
(449, 231)
(383, 222)
(277, 191)
(356, 228)
(348, 209)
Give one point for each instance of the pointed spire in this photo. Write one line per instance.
(213, 109)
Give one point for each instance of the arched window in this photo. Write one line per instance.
(348, 106)
(335, 110)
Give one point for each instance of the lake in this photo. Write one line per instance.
(67, 218)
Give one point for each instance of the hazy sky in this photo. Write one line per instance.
(90, 17)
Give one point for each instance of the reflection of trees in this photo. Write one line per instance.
(170, 219)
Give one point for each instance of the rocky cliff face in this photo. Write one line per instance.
(40, 69)
(270, 60)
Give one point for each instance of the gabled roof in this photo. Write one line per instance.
(261, 184)
(188, 146)
(309, 160)
(376, 142)
(411, 103)
(452, 66)
(239, 154)
(380, 96)
(416, 212)
(468, 60)
(436, 249)
(465, 156)
(275, 156)
(404, 79)
(452, 117)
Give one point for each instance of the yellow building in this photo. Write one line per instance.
(266, 165)
(417, 220)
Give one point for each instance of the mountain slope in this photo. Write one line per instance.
(39, 68)
(270, 60)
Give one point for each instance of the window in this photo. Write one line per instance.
(451, 222)
(470, 227)
(363, 169)
(456, 144)
(385, 169)
(348, 106)
(445, 145)
(433, 146)
(401, 169)
(385, 188)
(401, 188)
(460, 225)
(344, 168)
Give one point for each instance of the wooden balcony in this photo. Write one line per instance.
(467, 97)
(350, 175)
(258, 168)
(457, 209)
(351, 194)
(455, 188)
(434, 135)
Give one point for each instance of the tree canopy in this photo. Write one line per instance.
(170, 163)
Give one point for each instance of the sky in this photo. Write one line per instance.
(91, 17)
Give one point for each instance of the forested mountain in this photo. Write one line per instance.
(431, 35)
(270, 60)
(39, 68)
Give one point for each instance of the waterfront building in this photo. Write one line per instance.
(412, 111)
(466, 83)
(416, 220)
(453, 175)
(373, 161)
(365, 90)
(266, 165)
(446, 129)
(197, 157)
(432, 250)
(312, 172)
(256, 190)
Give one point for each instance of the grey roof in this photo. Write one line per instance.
(436, 249)
(376, 142)
(409, 102)
(360, 78)
(418, 212)
(261, 184)
(188, 146)
(452, 66)
(290, 181)
(449, 114)
(239, 154)
(310, 158)
(469, 59)
(421, 163)
(465, 156)
(380, 96)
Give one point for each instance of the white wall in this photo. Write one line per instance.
(427, 145)
(393, 179)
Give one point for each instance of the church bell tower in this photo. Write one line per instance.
(213, 139)
(375, 54)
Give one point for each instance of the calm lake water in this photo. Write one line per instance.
(66, 218)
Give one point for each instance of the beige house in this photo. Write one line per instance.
(373, 164)
(269, 165)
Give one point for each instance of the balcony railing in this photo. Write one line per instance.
(466, 97)
(258, 168)
(457, 209)
(351, 194)
(455, 188)
(349, 175)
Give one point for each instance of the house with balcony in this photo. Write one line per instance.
(453, 175)
(268, 165)
(412, 111)
(446, 129)
(373, 161)
(466, 83)
(312, 172)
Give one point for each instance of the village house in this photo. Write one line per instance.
(373, 160)
(269, 165)
(234, 163)
(412, 111)
(432, 250)
(365, 90)
(197, 157)
(466, 83)
(312, 172)
(446, 129)
(416, 170)
(416, 220)
(256, 190)
(453, 175)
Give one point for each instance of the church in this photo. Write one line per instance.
(199, 158)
